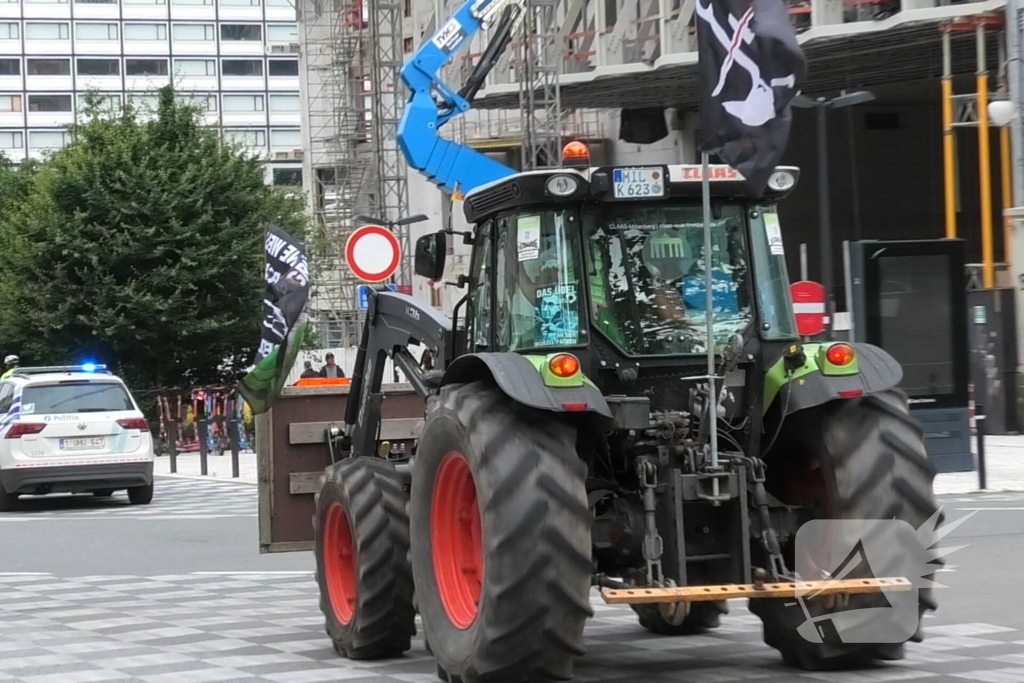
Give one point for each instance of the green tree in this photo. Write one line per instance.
(140, 245)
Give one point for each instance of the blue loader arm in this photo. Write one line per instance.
(447, 164)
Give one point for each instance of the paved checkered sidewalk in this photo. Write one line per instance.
(267, 628)
(172, 499)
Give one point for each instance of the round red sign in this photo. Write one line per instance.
(372, 253)
(809, 307)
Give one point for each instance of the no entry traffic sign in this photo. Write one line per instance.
(372, 253)
(809, 307)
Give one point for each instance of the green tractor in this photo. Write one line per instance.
(568, 443)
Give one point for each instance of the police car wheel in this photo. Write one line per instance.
(140, 495)
(8, 501)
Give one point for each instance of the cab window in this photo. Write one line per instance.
(480, 294)
(539, 281)
(6, 397)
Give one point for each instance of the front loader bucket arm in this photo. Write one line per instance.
(393, 321)
(450, 165)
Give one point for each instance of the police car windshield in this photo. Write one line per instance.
(645, 267)
(75, 397)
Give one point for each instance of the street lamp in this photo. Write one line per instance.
(824, 212)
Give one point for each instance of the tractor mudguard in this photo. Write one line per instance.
(818, 381)
(519, 379)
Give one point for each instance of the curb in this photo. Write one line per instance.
(199, 477)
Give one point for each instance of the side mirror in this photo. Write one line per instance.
(430, 253)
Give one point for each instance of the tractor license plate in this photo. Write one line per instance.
(638, 183)
(82, 444)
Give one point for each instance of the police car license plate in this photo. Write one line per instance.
(82, 444)
(638, 183)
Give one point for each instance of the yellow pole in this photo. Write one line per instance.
(984, 166)
(1007, 191)
(948, 139)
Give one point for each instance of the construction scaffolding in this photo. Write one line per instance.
(539, 101)
(352, 53)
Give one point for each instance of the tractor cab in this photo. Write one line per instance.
(608, 263)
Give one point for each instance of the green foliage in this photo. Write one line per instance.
(139, 245)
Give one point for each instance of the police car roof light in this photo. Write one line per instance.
(50, 369)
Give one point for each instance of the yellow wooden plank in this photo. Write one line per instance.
(807, 589)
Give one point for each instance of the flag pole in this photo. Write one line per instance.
(709, 318)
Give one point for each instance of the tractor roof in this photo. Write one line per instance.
(595, 184)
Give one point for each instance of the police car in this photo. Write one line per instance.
(72, 429)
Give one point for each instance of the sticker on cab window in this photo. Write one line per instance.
(774, 232)
(28, 408)
(557, 314)
(528, 238)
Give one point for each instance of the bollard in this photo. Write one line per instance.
(203, 432)
(980, 421)
(233, 440)
(172, 444)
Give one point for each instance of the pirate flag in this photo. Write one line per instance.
(751, 67)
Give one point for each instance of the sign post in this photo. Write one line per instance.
(809, 307)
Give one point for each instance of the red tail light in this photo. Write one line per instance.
(564, 365)
(840, 354)
(20, 429)
(134, 423)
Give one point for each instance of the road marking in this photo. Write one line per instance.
(26, 573)
(308, 572)
(1003, 509)
(80, 518)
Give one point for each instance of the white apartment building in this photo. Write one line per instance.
(238, 58)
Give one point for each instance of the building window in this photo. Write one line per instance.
(203, 102)
(40, 31)
(95, 2)
(280, 3)
(192, 2)
(406, 8)
(243, 103)
(239, 3)
(12, 139)
(10, 103)
(287, 139)
(240, 32)
(283, 67)
(194, 32)
(9, 31)
(10, 67)
(145, 2)
(248, 138)
(96, 31)
(42, 140)
(282, 33)
(287, 176)
(45, 1)
(144, 102)
(99, 67)
(195, 67)
(145, 67)
(407, 45)
(145, 32)
(49, 103)
(102, 103)
(48, 67)
(241, 67)
(284, 103)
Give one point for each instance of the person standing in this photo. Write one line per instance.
(331, 369)
(309, 371)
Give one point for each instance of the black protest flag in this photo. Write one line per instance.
(284, 319)
(751, 67)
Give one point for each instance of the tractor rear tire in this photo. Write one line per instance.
(874, 465)
(703, 617)
(500, 539)
(361, 532)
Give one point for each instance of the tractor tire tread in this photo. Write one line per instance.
(374, 502)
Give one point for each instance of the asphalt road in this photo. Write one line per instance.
(97, 590)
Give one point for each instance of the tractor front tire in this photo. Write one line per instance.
(362, 568)
(500, 539)
(703, 617)
(874, 466)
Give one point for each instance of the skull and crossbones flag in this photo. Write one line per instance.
(751, 67)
